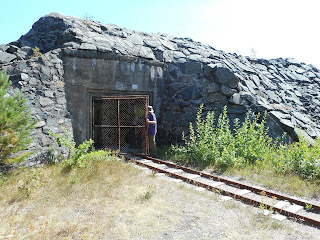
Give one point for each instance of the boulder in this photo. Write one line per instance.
(225, 76)
(6, 57)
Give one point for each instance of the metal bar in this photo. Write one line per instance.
(92, 119)
(119, 125)
(113, 126)
(122, 98)
(146, 125)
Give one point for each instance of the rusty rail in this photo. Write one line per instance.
(249, 200)
(236, 183)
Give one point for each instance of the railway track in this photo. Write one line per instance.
(277, 205)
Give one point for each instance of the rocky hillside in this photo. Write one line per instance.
(195, 73)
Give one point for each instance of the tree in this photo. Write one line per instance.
(15, 121)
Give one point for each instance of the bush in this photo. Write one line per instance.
(15, 121)
(212, 143)
(299, 158)
(83, 155)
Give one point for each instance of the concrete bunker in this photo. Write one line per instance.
(84, 62)
(107, 97)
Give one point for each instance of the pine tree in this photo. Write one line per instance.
(15, 121)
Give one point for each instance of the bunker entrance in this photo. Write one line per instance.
(119, 123)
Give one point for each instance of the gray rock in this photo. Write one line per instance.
(217, 97)
(273, 96)
(293, 62)
(24, 76)
(145, 52)
(227, 91)
(88, 46)
(191, 73)
(45, 101)
(61, 100)
(299, 133)
(6, 57)
(191, 67)
(261, 67)
(212, 88)
(301, 117)
(33, 81)
(267, 83)
(135, 39)
(255, 79)
(3, 47)
(152, 42)
(191, 92)
(40, 124)
(226, 77)
(12, 49)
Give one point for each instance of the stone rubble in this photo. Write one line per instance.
(196, 73)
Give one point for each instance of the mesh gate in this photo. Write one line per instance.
(120, 123)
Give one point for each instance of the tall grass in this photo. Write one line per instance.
(211, 142)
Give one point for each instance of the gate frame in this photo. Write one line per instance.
(124, 97)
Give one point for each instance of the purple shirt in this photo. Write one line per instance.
(152, 128)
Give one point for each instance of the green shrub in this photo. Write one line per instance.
(212, 143)
(15, 122)
(85, 154)
(299, 158)
(75, 152)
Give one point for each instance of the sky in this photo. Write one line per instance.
(261, 28)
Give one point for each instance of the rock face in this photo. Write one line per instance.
(84, 58)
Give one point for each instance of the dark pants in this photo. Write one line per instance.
(152, 145)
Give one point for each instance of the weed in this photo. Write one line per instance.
(309, 207)
(276, 225)
(36, 52)
(219, 191)
(262, 206)
(147, 195)
(79, 156)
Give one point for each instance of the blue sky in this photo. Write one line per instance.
(273, 28)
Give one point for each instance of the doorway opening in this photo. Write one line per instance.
(120, 123)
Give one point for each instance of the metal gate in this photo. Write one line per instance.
(119, 123)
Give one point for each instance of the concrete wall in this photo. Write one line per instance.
(86, 78)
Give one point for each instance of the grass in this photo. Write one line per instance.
(287, 183)
(111, 199)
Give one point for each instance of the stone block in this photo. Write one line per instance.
(227, 91)
(226, 77)
(44, 101)
(191, 67)
(191, 92)
(217, 97)
(40, 124)
(6, 57)
(212, 87)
